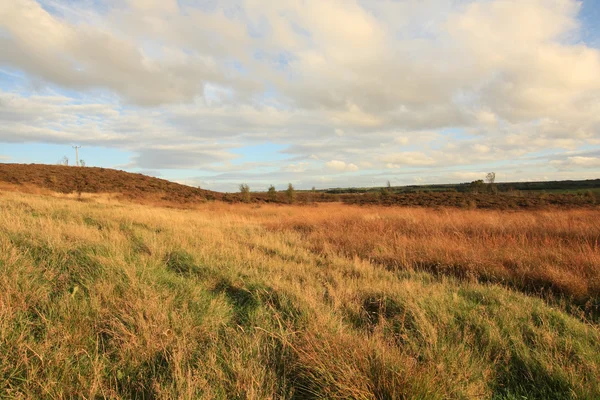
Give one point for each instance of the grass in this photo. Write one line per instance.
(104, 299)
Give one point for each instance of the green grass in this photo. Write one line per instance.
(133, 302)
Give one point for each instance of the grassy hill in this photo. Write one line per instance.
(65, 179)
(232, 301)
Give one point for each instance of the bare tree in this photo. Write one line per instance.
(63, 161)
(82, 163)
(490, 178)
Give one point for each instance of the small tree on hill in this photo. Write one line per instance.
(387, 190)
(272, 193)
(290, 193)
(245, 192)
(490, 178)
(81, 163)
(476, 186)
(63, 161)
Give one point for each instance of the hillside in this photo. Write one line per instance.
(65, 179)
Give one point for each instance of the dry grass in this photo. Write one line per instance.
(535, 251)
(100, 299)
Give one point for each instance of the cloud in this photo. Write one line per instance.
(341, 166)
(411, 158)
(388, 84)
(577, 162)
(298, 167)
(180, 157)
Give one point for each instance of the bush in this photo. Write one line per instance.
(245, 192)
(290, 194)
(272, 193)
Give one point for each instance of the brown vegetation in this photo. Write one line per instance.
(498, 201)
(543, 252)
(137, 187)
(150, 190)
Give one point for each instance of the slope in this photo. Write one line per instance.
(65, 179)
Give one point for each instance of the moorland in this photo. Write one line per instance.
(105, 294)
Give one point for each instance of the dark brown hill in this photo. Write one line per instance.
(68, 179)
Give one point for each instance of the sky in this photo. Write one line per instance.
(317, 93)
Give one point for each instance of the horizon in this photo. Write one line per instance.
(324, 93)
(282, 187)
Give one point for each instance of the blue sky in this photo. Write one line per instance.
(330, 93)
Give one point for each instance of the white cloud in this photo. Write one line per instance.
(576, 162)
(341, 166)
(402, 140)
(297, 167)
(411, 158)
(386, 84)
(480, 148)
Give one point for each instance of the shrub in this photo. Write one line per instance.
(476, 186)
(245, 192)
(272, 193)
(290, 194)
(590, 197)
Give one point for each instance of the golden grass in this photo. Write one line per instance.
(555, 251)
(101, 299)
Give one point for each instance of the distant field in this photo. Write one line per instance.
(104, 299)
(51, 179)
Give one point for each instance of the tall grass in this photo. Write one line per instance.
(113, 300)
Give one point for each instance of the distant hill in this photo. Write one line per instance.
(568, 186)
(70, 179)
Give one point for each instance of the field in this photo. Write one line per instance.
(49, 179)
(101, 298)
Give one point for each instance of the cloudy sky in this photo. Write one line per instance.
(319, 93)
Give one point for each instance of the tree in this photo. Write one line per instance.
(387, 190)
(63, 161)
(290, 194)
(490, 178)
(81, 163)
(245, 192)
(476, 186)
(272, 193)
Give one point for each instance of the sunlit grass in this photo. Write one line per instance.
(100, 299)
